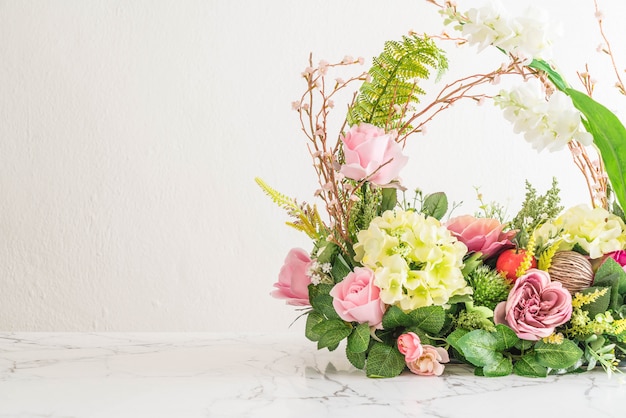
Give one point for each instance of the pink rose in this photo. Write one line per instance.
(371, 153)
(293, 280)
(429, 363)
(410, 345)
(620, 257)
(535, 306)
(357, 299)
(481, 234)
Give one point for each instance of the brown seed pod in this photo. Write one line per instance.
(572, 269)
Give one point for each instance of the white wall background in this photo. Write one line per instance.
(131, 131)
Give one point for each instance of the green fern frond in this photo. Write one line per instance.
(280, 199)
(394, 76)
(308, 219)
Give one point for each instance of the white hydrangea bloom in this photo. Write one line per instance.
(596, 230)
(416, 260)
(546, 124)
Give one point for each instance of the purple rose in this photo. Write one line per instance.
(535, 306)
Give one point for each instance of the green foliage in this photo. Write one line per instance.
(307, 218)
(609, 135)
(359, 339)
(489, 286)
(471, 320)
(384, 361)
(528, 366)
(429, 319)
(366, 208)
(393, 82)
(331, 333)
(610, 274)
(557, 356)
(435, 205)
(535, 210)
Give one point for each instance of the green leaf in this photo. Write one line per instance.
(555, 77)
(524, 345)
(384, 361)
(600, 305)
(359, 340)
(609, 135)
(312, 319)
(479, 347)
(502, 367)
(428, 318)
(340, 269)
(610, 274)
(435, 205)
(356, 359)
(454, 337)
(328, 253)
(557, 356)
(389, 199)
(395, 317)
(331, 332)
(393, 80)
(505, 337)
(529, 366)
(324, 304)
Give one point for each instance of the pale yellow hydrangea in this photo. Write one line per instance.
(595, 230)
(416, 260)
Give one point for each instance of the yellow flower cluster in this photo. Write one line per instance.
(416, 260)
(595, 230)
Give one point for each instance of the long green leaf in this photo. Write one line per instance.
(609, 135)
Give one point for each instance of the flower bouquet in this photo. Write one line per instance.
(410, 285)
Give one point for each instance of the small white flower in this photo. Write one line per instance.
(546, 124)
(326, 267)
(525, 37)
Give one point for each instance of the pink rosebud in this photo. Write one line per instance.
(372, 154)
(293, 280)
(481, 234)
(357, 299)
(535, 306)
(429, 363)
(410, 345)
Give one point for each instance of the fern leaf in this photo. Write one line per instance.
(280, 199)
(393, 81)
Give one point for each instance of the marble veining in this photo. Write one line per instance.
(63, 375)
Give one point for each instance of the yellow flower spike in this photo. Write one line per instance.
(528, 258)
(581, 299)
(545, 259)
(554, 338)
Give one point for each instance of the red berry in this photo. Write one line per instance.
(509, 261)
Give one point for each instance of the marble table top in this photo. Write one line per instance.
(263, 375)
